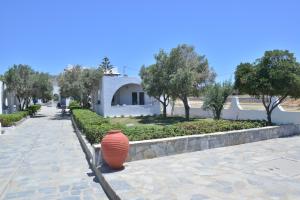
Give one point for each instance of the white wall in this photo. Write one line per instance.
(124, 94)
(110, 85)
(1, 97)
(236, 112)
(133, 110)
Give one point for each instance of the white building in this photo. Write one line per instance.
(123, 96)
(1, 96)
(8, 101)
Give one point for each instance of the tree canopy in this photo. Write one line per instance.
(155, 80)
(190, 74)
(79, 83)
(105, 66)
(216, 96)
(275, 74)
(179, 74)
(27, 84)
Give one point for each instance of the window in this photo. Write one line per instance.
(142, 98)
(134, 98)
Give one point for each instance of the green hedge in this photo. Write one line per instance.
(95, 127)
(92, 125)
(33, 109)
(74, 105)
(10, 119)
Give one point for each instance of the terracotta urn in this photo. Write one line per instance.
(115, 146)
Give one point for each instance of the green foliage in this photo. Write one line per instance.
(33, 109)
(27, 84)
(20, 79)
(216, 97)
(79, 83)
(105, 66)
(200, 127)
(92, 125)
(156, 79)
(95, 127)
(42, 87)
(276, 74)
(55, 97)
(180, 74)
(190, 74)
(74, 105)
(11, 119)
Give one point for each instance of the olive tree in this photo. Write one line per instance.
(190, 73)
(216, 96)
(19, 79)
(79, 83)
(42, 87)
(156, 80)
(27, 84)
(272, 78)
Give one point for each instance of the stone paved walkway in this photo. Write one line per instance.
(42, 159)
(262, 170)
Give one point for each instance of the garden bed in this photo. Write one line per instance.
(7, 120)
(147, 128)
(10, 119)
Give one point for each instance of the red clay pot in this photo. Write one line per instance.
(115, 146)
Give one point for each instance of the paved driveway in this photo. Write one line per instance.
(42, 159)
(262, 170)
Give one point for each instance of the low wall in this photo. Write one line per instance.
(236, 112)
(133, 110)
(169, 146)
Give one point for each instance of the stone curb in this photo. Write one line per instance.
(21, 121)
(16, 124)
(87, 148)
(147, 149)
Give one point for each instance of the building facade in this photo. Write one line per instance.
(123, 96)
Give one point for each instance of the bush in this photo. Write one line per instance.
(74, 105)
(33, 109)
(95, 127)
(11, 119)
(92, 125)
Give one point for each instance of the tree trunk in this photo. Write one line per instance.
(218, 114)
(20, 104)
(269, 117)
(24, 103)
(186, 108)
(164, 110)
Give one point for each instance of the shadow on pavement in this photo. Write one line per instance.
(39, 116)
(92, 174)
(104, 168)
(61, 116)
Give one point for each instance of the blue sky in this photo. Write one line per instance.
(50, 34)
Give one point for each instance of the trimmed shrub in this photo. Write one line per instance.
(95, 127)
(74, 105)
(91, 124)
(11, 119)
(33, 109)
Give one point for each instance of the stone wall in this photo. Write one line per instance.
(236, 112)
(169, 146)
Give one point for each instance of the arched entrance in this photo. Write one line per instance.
(129, 94)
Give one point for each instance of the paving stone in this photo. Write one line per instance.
(42, 159)
(260, 170)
